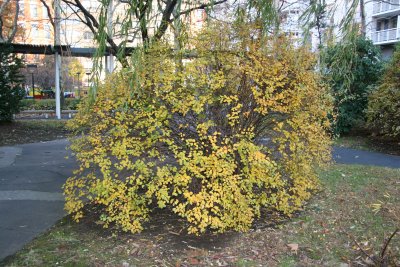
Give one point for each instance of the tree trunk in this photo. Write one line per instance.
(362, 15)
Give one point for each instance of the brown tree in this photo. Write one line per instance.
(8, 20)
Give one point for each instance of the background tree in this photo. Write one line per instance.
(352, 69)
(75, 66)
(315, 17)
(44, 76)
(384, 103)
(9, 11)
(11, 91)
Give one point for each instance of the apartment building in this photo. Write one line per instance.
(34, 20)
(35, 26)
(382, 21)
(293, 17)
(385, 24)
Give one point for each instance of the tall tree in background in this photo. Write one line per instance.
(8, 20)
(384, 103)
(315, 17)
(362, 16)
(11, 91)
(352, 71)
(75, 67)
(44, 77)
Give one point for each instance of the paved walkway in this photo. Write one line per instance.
(354, 156)
(31, 177)
(31, 197)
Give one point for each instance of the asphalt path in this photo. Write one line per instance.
(32, 175)
(31, 200)
(353, 156)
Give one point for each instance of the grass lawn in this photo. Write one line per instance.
(30, 131)
(357, 209)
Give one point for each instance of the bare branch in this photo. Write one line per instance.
(383, 251)
(15, 23)
(203, 6)
(48, 12)
(141, 11)
(165, 20)
(92, 23)
(3, 6)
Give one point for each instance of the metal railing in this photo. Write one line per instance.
(386, 35)
(387, 5)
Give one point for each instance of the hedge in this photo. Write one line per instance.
(48, 104)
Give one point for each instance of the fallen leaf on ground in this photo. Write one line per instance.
(293, 247)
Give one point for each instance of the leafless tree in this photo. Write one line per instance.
(147, 20)
(8, 20)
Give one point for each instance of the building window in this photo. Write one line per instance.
(393, 22)
(45, 14)
(34, 10)
(21, 10)
(386, 24)
(47, 31)
(88, 36)
(199, 15)
(35, 30)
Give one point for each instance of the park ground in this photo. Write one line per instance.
(347, 223)
(31, 131)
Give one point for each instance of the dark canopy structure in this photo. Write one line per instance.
(64, 50)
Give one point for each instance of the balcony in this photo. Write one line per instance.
(388, 36)
(386, 8)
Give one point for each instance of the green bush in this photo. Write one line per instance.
(11, 91)
(384, 103)
(352, 70)
(48, 104)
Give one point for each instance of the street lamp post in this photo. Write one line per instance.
(32, 69)
(88, 76)
(79, 85)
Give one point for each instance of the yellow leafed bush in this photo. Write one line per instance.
(215, 139)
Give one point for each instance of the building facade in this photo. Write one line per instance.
(382, 20)
(35, 23)
(385, 24)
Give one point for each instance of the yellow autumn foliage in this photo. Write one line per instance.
(238, 128)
